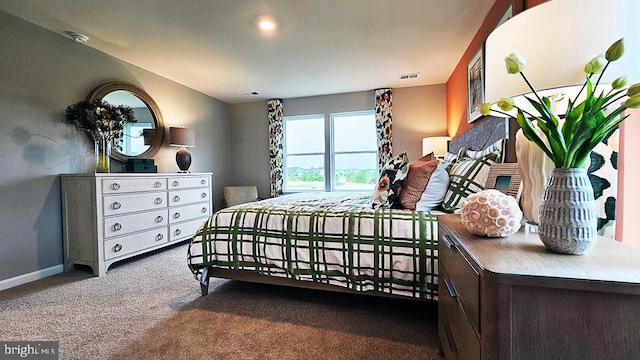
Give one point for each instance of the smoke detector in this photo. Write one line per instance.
(79, 38)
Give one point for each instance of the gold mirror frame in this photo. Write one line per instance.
(103, 90)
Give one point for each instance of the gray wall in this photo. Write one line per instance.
(41, 73)
(417, 112)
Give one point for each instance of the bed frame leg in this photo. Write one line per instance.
(204, 281)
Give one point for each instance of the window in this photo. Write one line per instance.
(304, 153)
(350, 163)
(355, 151)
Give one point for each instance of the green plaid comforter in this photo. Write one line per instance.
(333, 238)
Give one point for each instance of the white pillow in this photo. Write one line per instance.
(436, 189)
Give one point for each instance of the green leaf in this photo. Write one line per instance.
(571, 122)
(531, 134)
(583, 135)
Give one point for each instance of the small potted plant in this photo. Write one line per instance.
(568, 222)
(104, 122)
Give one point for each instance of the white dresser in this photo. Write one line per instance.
(111, 217)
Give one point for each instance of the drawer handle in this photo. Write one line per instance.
(450, 339)
(448, 242)
(159, 237)
(115, 186)
(203, 181)
(203, 195)
(176, 183)
(176, 215)
(176, 198)
(117, 248)
(159, 219)
(450, 288)
(116, 205)
(117, 227)
(157, 184)
(177, 232)
(157, 201)
(204, 210)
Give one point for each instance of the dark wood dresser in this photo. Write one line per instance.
(510, 298)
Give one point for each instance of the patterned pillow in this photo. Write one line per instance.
(451, 158)
(603, 173)
(467, 177)
(390, 182)
(495, 147)
(416, 182)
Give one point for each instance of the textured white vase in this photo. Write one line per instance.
(568, 222)
(534, 167)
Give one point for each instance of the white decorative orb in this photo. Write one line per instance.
(491, 213)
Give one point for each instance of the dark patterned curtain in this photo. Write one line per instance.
(383, 125)
(276, 141)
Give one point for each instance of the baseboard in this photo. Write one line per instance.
(27, 278)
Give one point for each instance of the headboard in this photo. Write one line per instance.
(487, 131)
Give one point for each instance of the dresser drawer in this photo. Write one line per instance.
(117, 186)
(184, 197)
(461, 278)
(185, 230)
(121, 204)
(122, 225)
(185, 213)
(459, 341)
(135, 242)
(184, 182)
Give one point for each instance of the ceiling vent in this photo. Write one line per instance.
(409, 76)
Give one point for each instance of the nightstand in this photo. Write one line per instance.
(510, 298)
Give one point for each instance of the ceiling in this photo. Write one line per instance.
(320, 46)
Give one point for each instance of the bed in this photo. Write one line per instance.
(330, 241)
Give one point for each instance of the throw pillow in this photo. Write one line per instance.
(495, 147)
(437, 187)
(603, 173)
(390, 182)
(416, 182)
(467, 177)
(451, 158)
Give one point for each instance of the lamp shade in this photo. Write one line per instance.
(557, 38)
(435, 144)
(182, 137)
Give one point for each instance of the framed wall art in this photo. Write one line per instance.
(475, 84)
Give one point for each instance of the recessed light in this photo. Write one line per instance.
(79, 38)
(267, 23)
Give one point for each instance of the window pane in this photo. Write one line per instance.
(355, 132)
(355, 171)
(305, 172)
(304, 136)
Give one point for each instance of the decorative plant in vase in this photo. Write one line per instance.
(568, 222)
(104, 122)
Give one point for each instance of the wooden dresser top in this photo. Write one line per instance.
(524, 254)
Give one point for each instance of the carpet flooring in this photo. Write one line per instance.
(150, 308)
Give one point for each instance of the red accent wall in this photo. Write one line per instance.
(456, 91)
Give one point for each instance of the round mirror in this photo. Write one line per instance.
(142, 139)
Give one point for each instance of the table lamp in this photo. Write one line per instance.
(184, 138)
(435, 144)
(557, 38)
